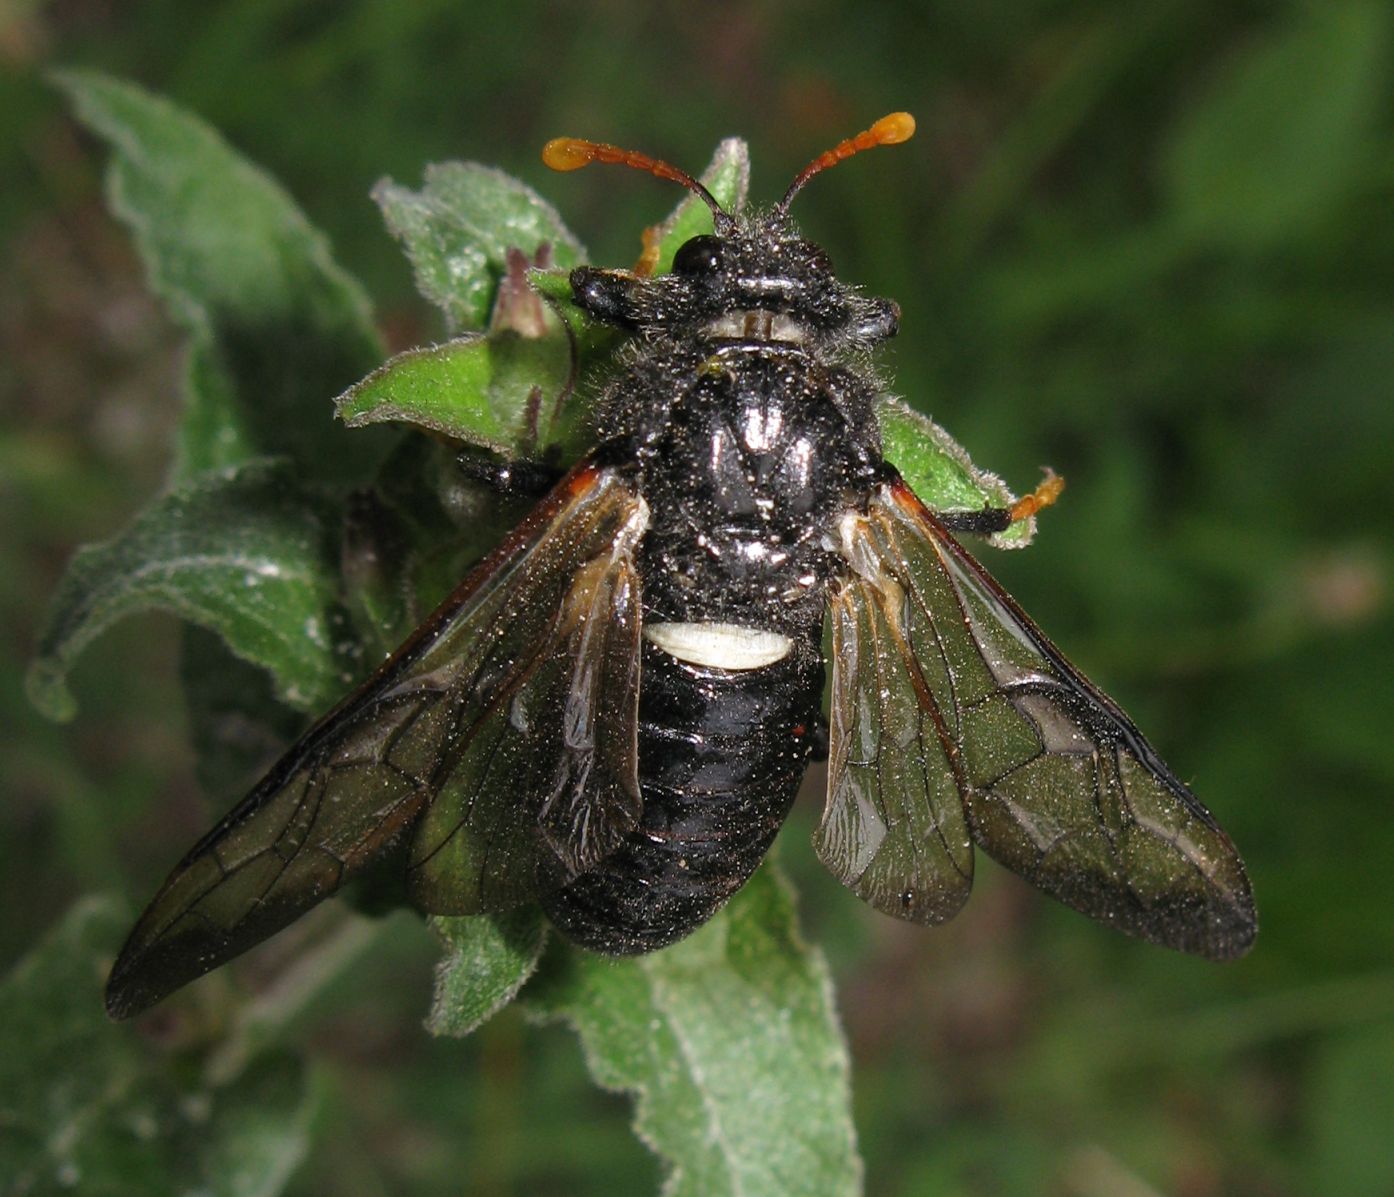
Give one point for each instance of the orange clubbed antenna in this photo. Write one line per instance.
(889, 130)
(572, 153)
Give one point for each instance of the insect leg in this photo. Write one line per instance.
(522, 479)
(999, 519)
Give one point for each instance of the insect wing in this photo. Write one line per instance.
(532, 627)
(894, 830)
(1056, 782)
(540, 776)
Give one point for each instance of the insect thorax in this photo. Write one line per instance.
(746, 460)
(750, 430)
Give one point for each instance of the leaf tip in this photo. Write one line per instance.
(46, 686)
(84, 89)
(69, 80)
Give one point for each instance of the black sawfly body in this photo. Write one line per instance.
(613, 712)
(745, 448)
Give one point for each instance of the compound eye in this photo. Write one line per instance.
(701, 255)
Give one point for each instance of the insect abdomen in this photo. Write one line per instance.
(721, 755)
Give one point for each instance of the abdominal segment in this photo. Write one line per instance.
(721, 755)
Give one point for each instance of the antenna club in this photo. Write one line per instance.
(893, 129)
(889, 130)
(568, 153)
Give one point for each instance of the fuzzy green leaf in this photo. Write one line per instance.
(458, 229)
(90, 1107)
(439, 388)
(275, 327)
(731, 1045)
(508, 391)
(937, 468)
(242, 552)
(1285, 133)
(504, 392)
(489, 957)
(555, 287)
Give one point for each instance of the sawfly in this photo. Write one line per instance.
(612, 713)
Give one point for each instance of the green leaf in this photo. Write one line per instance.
(731, 1045)
(937, 468)
(458, 228)
(275, 327)
(1285, 133)
(242, 552)
(504, 392)
(90, 1107)
(489, 957)
(235, 722)
(373, 563)
(439, 388)
(407, 542)
(511, 391)
(555, 287)
(594, 341)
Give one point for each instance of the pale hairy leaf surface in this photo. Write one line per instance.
(730, 1044)
(243, 552)
(131, 1119)
(276, 327)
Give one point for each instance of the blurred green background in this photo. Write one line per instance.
(1150, 244)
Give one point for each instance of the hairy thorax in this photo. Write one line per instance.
(751, 462)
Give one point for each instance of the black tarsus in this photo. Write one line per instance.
(521, 479)
(987, 522)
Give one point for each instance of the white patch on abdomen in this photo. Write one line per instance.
(719, 645)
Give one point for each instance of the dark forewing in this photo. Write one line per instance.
(531, 661)
(540, 780)
(1056, 781)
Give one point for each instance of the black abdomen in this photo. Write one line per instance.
(721, 755)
